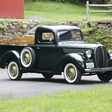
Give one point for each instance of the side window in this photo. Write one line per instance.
(47, 37)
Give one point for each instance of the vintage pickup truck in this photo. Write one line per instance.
(56, 50)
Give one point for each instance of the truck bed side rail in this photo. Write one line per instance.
(19, 41)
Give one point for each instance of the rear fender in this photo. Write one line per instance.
(76, 59)
(12, 55)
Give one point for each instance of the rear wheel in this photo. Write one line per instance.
(72, 74)
(48, 76)
(105, 77)
(28, 57)
(13, 70)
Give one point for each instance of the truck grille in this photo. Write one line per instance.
(101, 57)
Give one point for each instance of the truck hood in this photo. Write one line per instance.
(79, 45)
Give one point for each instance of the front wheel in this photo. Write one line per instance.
(13, 71)
(72, 74)
(105, 77)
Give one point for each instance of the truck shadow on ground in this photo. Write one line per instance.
(62, 81)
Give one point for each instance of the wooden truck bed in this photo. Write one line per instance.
(21, 41)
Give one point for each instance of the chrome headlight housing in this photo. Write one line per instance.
(89, 53)
(110, 53)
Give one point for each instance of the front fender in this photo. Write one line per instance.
(9, 55)
(74, 58)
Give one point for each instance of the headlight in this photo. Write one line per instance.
(88, 53)
(110, 53)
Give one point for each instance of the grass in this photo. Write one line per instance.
(95, 100)
(63, 11)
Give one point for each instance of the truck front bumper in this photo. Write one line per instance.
(98, 69)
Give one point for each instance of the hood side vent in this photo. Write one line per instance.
(66, 50)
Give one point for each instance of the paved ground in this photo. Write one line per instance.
(33, 84)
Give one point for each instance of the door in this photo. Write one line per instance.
(47, 57)
(46, 52)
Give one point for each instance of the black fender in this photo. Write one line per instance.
(12, 54)
(74, 58)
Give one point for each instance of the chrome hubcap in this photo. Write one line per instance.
(13, 70)
(26, 58)
(71, 73)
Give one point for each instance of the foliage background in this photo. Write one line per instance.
(73, 1)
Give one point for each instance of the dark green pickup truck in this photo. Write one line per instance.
(57, 50)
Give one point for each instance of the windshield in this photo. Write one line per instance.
(74, 35)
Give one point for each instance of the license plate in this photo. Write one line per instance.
(90, 65)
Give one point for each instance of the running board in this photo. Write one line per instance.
(31, 70)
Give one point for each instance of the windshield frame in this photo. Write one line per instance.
(81, 34)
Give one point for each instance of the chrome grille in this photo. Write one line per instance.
(101, 57)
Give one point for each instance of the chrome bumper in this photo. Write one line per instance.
(99, 69)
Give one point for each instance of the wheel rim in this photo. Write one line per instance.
(13, 70)
(71, 73)
(26, 58)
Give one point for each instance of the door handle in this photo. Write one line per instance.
(38, 47)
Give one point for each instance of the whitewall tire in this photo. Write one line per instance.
(13, 71)
(28, 57)
(71, 73)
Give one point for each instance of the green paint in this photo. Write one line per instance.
(15, 70)
(72, 73)
(27, 55)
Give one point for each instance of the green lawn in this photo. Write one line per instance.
(95, 100)
(63, 11)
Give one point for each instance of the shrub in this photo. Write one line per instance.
(99, 38)
(90, 30)
(110, 2)
(3, 28)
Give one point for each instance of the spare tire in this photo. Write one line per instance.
(28, 57)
